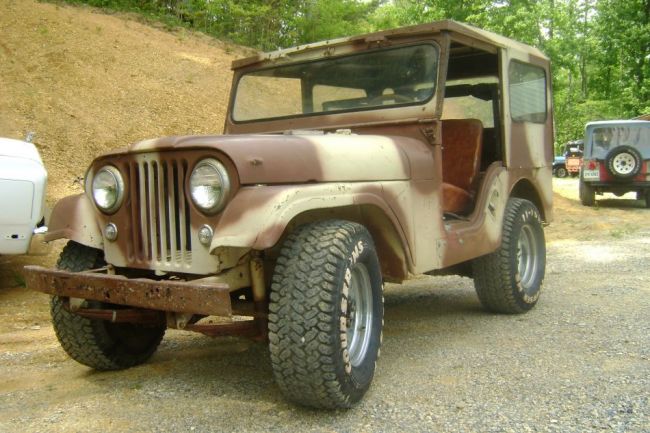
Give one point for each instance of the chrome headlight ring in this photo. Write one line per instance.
(209, 186)
(107, 189)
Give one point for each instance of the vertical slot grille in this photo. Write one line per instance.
(160, 213)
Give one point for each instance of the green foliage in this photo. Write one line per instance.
(19, 280)
(600, 49)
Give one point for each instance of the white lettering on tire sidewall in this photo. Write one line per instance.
(347, 280)
(526, 217)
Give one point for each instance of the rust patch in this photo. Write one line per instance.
(143, 317)
(178, 296)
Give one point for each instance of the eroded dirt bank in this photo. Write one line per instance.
(87, 82)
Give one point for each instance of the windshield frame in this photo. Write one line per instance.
(343, 112)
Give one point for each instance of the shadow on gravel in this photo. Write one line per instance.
(189, 366)
(621, 203)
(192, 366)
(193, 369)
(442, 296)
(610, 202)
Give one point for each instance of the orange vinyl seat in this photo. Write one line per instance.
(462, 140)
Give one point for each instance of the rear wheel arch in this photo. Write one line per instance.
(525, 189)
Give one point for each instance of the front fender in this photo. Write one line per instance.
(73, 218)
(258, 215)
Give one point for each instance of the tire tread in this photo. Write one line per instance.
(303, 302)
(493, 272)
(85, 340)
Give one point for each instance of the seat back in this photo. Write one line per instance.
(462, 140)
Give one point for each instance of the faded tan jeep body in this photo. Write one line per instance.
(429, 180)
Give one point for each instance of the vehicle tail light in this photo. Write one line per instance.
(591, 165)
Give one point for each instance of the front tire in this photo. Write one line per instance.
(99, 344)
(326, 314)
(561, 172)
(509, 280)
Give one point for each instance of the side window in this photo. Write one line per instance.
(527, 93)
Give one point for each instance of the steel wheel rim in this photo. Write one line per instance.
(527, 257)
(359, 314)
(624, 163)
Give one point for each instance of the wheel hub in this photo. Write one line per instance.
(624, 163)
(527, 257)
(350, 315)
(359, 314)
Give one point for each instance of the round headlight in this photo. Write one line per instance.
(209, 185)
(108, 189)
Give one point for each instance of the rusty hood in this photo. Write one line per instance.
(301, 158)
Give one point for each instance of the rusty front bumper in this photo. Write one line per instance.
(195, 297)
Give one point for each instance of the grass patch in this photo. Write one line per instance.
(19, 280)
(623, 231)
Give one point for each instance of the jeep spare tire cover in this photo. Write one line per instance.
(623, 162)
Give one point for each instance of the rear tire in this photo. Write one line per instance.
(561, 172)
(509, 280)
(99, 344)
(587, 193)
(326, 314)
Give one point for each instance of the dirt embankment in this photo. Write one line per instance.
(86, 82)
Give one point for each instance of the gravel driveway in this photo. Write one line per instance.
(579, 362)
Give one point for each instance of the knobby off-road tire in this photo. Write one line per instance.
(326, 314)
(99, 344)
(510, 279)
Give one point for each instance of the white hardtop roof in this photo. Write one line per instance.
(618, 122)
(420, 29)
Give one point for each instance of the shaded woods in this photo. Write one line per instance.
(600, 49)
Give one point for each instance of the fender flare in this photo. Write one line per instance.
(73, 218)
(258, 215)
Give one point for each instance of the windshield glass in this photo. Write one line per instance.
(370, 80)
(605, 138)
